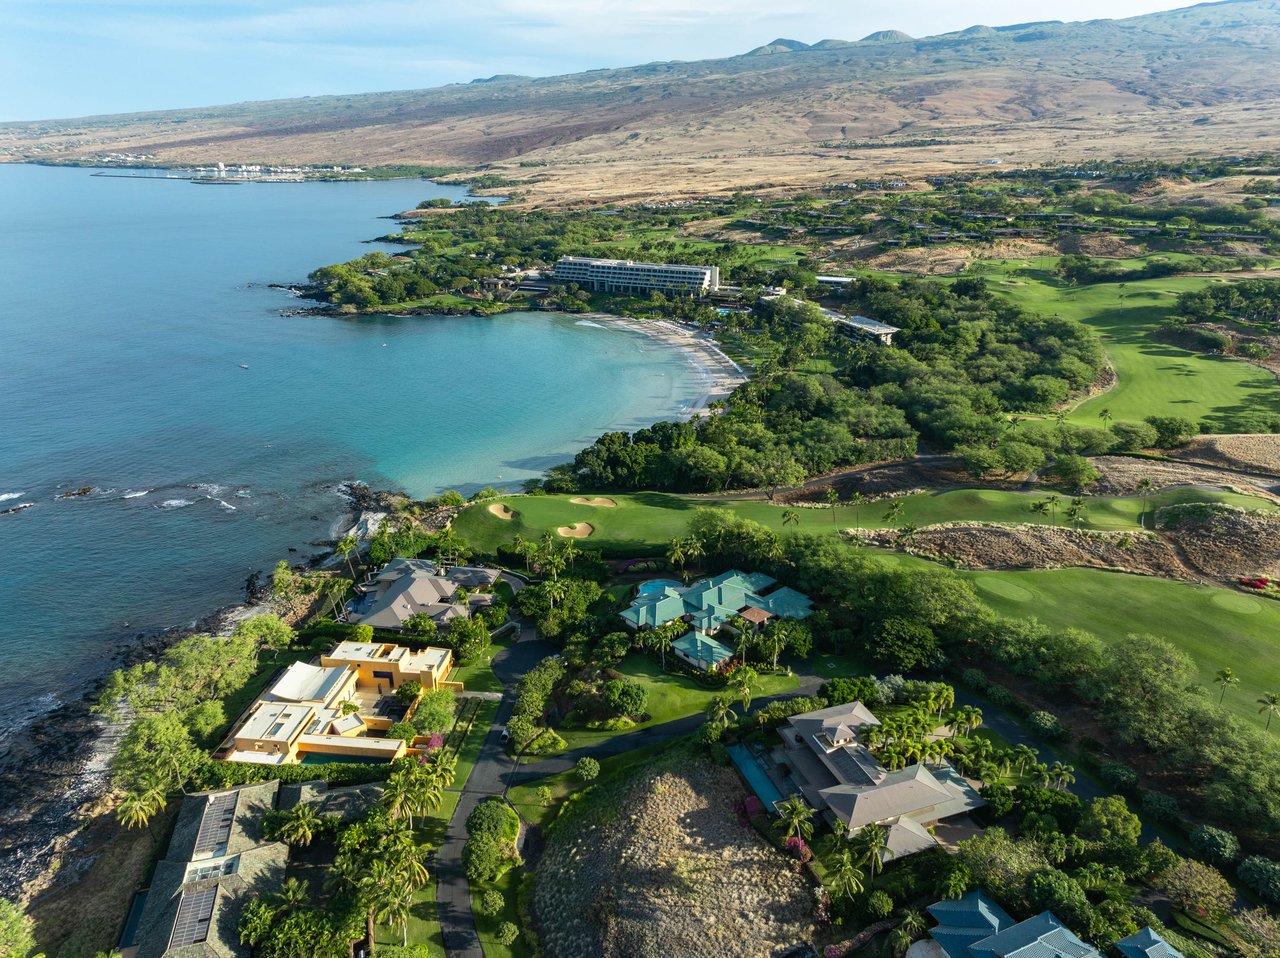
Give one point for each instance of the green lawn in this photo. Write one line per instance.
(1154, 378)
(487, 925)
(644, 523)
(564, 784)
(1219, 628)
(670, 697)
(424, 928)
(477, 675)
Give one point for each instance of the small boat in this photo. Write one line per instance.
(244, 365)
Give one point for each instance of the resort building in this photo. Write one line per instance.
(626, 276)
(974, 926)
(408, 587)
(327, 712)
(840, 777)
(710, 604)
(217, 861)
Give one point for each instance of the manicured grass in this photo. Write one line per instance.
(487, 925)
(1228, 395)
(645, 523)
(477, 675)
(670, 697)
(1218, 628)
(564, 784)
(471, 745)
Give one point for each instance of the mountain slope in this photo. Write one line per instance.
(1199, 79)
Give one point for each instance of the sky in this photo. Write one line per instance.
(67, 58)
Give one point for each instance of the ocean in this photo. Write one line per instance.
(128, 308)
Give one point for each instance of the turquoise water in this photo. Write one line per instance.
(129, 306)
(760, 783)
(657, 585)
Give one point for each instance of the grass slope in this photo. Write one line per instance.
(1227, 395)
(644, 523)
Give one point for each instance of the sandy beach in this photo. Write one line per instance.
(718, 374)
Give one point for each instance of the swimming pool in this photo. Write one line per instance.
(657, 585)
(760, 783)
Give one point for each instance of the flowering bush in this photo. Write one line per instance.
(797, 849)
(833, 951)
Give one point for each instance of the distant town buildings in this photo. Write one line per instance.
(627, 276)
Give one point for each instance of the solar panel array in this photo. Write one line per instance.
(195, 912)
(851, 770)
(215, 826)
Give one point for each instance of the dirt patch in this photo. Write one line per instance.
(667, 869)
(977, 546)
(579, 530)
(1121, 475)
(1247, 454)
(599, 502)
(1224, 543)
(502, 511)
(1092, 244)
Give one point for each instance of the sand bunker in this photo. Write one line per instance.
(600, 502)
(579, 530)
(500, 510)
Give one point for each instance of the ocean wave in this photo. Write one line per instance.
(26, 713)
(243, 494)
(130, 494)
(222, 502)
(210, 489)
(176, 504)
(587, 322)
(6, 496)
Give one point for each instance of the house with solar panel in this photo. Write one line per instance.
(974, 926)
(709, 606)
(217, 861)
(840, 777)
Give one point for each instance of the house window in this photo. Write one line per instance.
(382, 675)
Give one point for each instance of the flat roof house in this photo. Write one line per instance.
(840, 777)
(628, 276)
(216, 861)
(974, 926)
(327, 710)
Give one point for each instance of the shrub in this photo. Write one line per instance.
(506, 934)
(436, 710)
(1132, 436)
(402, 730)
(1161, 807)
(1198, 888)
(626, 698)
(975, 679)
(1047, 725)
(408, 692)
(999, 799)
(1119, 776)
(362, 633)
(1171, 430)
(709, 734)
(1215, 845)
(840, 691)
(492, 902)
(1263, 876)
(1000, 696)
(548, 741)
(878, 905)
(587, 768)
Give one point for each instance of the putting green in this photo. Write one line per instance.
(1005, 590)
(1234, 602)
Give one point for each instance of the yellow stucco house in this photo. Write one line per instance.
(326, 712)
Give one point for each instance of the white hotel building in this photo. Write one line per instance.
(625, 276)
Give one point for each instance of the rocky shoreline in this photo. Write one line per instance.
(55, 767)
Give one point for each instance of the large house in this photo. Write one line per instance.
(408, 587)
(840, 777)
(709, 604)
(326, 712)
(974, 926)
(218, 859)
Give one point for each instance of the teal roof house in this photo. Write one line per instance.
(1146, 944)
(702, 652)
(710, 604)
(974, 926)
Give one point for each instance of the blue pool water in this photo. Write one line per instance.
(657, 585)
(760, 782)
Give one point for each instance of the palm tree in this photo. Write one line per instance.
(440, 768)
(1225, 678)
(720, 712)
(1024, 754)
(301, 826)
(344, 549)
(393, 908)
(870, 843)
(1271, 705)
(795, 817)
(137, 808)
(790, 517)
(893, 513)
(743, 678)
(846, 877)
(555, 589)
(1106, 417)
(745, 631)
(1077, 511)
(856, 500)
(677, 557)
(943, 699)
(292, 895)
(1144, 488)
(913, 922)
(520, 546)
(1040, 507)
(899, 942)
(833, 501)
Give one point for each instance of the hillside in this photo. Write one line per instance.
(1173, 83)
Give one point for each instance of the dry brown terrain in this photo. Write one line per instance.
(1188, 82)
